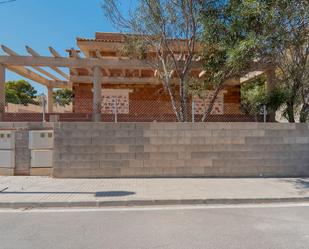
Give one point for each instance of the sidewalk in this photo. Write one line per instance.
(36, 192)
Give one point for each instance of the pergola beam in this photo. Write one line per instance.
(44, 61)
(116, 80)
(54, 52)
(27, 73)
(42, 71)
(32, 52)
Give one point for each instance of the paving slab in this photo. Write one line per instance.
(40, 192)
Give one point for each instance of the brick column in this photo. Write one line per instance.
(2, 91)
(97, 88)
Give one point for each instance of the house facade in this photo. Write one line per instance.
(135, 94)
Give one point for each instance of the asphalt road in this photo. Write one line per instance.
(269, 227)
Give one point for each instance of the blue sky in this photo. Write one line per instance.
(43, 23)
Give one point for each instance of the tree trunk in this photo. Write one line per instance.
(290, 112)
(183, 100)
(304, 113)
(173, 102)
(211, 104)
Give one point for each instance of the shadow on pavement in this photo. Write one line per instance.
(113, 193)
(301, 184)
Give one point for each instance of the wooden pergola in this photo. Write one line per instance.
(33, 66)
(29, 66)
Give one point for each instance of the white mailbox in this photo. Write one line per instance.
(43, 139)
(41, 158)
(7, 140)
(7, 159)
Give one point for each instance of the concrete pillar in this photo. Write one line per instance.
(97, 88)
(50, 100)
(2, 91)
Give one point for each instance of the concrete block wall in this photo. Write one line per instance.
(181, 150)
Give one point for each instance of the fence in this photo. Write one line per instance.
(128, 110)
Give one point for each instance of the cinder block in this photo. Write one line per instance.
(84, 164)
(142, 140)
(142, 155)
(264, 140)
(244, 125)
(276, 126)
(164, 163)
(86, 173)
(136, 163)
(6, 125)
(163, 155)
(114, 163)
(122, 148)
(197, 133)
(199, 163)
(198, 140)
(142, 126)
(184, 140)
(168, 133)
(163, 140)
(186, 155)
(150, 133)
(134, 172)
(136, 148)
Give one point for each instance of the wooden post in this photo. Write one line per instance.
(97, 88)
(2, 91)
(50, 101)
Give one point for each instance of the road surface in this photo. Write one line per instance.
(197, 227)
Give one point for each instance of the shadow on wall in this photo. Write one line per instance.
(96, 194)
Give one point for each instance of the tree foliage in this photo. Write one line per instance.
(166, 34)
(20, 92)
(63, 97)
(273, 32)
(254, 95)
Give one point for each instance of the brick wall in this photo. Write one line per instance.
(152, 99)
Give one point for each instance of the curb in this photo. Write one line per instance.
(95, 204)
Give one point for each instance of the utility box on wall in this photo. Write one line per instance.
(7, 140)
(41, 140)
(7, 159)
(41, 158)
(41, 144)
(7, 152)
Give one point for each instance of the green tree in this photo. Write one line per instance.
(20, 92)
(254, 96)
(168, 32)
(63, 97)
(241, 33)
